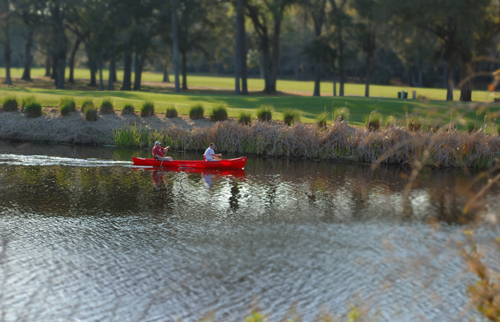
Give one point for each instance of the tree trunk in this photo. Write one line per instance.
(466, 88)
(61, 69)
(7, 54)
(238, 49)
(318, 26)
(175, 44)
(243, 59)
(93, 71)
(317, 79)
(101, 86)
(115, 77)
(139, 63)
(127, 70)
(4, 9)
(54, 68)
(340, 43)
(369, 60)
(111, 86)
(184, 71)
(47, 66)
(166, 78)
(449, 84)
(334, 85)
(27, 53)
(71, 79)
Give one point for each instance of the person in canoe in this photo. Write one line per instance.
(159, 152)
(210, 154)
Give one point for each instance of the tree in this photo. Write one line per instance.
(29, 12)
(57, 10)
(266, 17)
(240, 51)
(5, 17)
(453, 22)
(368, 19)
(197, 20)
(316, 9)
(339, 19)
(175, 42)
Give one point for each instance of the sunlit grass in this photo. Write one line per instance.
(256, 84)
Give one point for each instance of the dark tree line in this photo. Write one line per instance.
(418, 43)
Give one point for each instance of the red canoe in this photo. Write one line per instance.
(238, 163)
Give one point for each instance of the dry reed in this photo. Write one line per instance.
(393, 145)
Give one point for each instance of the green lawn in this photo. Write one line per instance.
(308, 105)
(226, 82)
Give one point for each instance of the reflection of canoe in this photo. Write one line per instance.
(222, 164)
(235, 173)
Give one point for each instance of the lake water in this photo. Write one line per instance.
(87, 237)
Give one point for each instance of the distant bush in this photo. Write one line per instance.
(373, 121)
(322, 120)
(341, 114)
(9, 104)
(218, 113)
(107, 106)
(265, 113)
(27, 100)
(245, 118)
(291, 116)
(33, 109)
(90, 113)
(87, 103)
(128, 109)
(196, 112)
(148, 109)
(171, 112)
(66, 105)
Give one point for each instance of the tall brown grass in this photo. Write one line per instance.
(393, 145)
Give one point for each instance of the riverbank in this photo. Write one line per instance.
(339, 141)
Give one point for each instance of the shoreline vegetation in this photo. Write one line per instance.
(407, 141)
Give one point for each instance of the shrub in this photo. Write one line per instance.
(27, 100)
(196, 112)
(322, 120)
(66, 105)
(265, 113)
(413, 123)
(245, 118)
(33, 109)
(128, 109)
(218, 113)
(87, 103)
(391, 121)
(171, 112)
(148, 109)
(291, 116)
(341, 114)
(373, 121)
(107, 106)
(9, 104)
(91, 113)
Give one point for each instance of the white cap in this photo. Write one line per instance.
(157, 142)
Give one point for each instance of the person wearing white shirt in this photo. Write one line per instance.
(210, 154)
